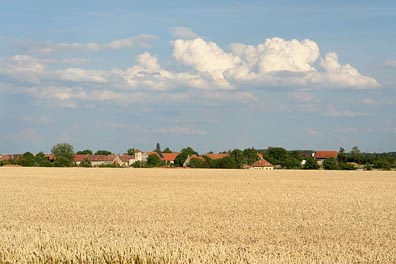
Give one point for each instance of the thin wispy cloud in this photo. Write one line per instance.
(184, 33)
(143, 40)
(391, 63)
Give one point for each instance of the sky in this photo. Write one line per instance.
(213, 75)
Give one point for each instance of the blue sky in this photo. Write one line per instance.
(214, 75)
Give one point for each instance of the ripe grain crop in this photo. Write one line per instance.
(196, 216)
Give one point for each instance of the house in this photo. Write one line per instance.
(5, 157)
(78, 158)
(322, 155)
(169, 158)
(123, 160)
(262, 164)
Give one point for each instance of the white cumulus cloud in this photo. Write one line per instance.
(206, 58)
(344, 75)
(276, 62)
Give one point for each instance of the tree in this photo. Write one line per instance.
(198, 163)
(139, 164)
(84, 152)
(311, 164)
(61, 161)
(355, 155)
(103, 152)
(330, 164)
(27, 160)
(85, 163)
(347, 166)
(382, 163)
(64, 155)
(181, 158)
(251, 155)
(42, 161)
(239, 157)
(342, 156)
(131, 151)
(291, 163)
(167, 150)
(227, 163)
(154, 161)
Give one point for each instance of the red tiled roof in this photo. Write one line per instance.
(169, 156)
(216, 156)
(80, 157)
(101, 157)
(262, 163)
(325, 154)
(4, 157)
(126, 158)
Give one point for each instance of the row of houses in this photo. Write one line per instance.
(124, 160)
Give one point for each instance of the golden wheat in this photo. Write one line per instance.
(196, 216)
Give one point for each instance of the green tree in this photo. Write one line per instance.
(64, 155)
(342, 157)
(84, 152)
(227, 163)
(239, 157)
(27, 160)
(42, 161)
(311, 164)
(250, 155)
(86, 163)
(198, 163)
(291, 163)
(354, 155)
(181, 158)
(330, 164)
(103, 152)
(167, 150)
(382, 164)
(131, 151)
(61, 161)
(154, 161)
(139, 164)
(347, 166)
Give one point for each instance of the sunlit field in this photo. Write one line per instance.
(196, 216)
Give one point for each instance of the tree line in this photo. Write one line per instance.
(236, 159)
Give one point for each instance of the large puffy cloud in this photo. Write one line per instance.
(279, 55)
(148, 73)
(343, 75)
(206, 58)
(275, 62)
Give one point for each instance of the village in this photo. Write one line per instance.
(268, 159)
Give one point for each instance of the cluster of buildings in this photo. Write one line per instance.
(169, 159)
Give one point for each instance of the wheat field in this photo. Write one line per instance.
(196, 216)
